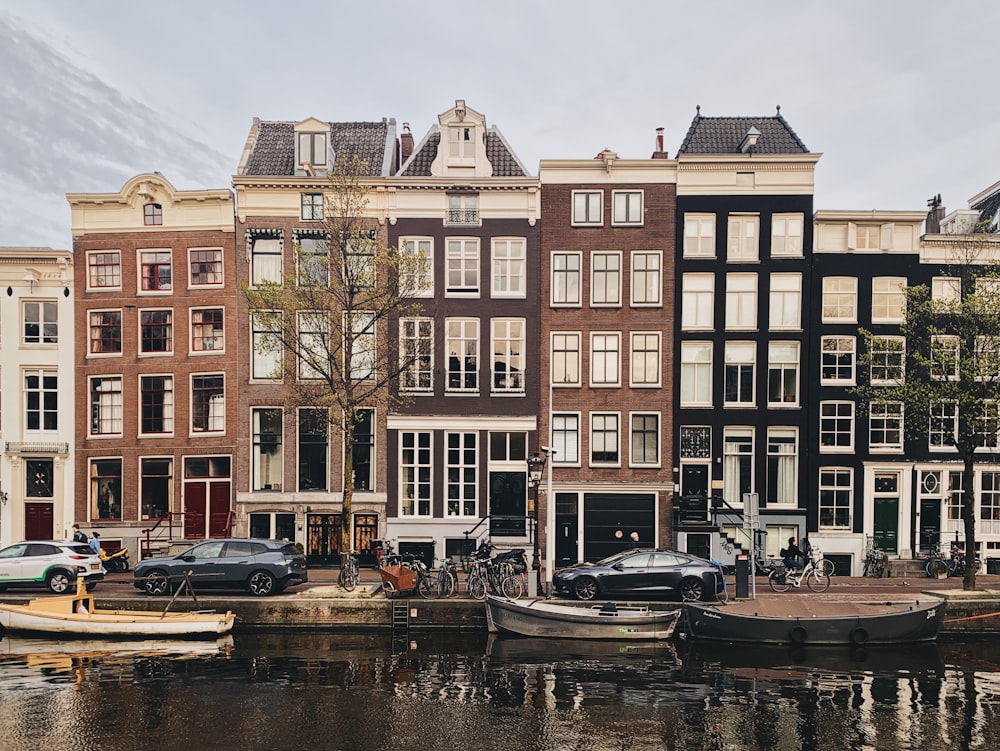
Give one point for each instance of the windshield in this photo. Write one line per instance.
(616, 557)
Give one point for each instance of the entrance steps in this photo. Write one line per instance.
(906, 569)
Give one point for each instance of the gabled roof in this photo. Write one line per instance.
(988, 206)
(724, 135)
(272, 148)
(505, 163)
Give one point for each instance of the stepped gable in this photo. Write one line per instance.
(273, 150)
(725, 135)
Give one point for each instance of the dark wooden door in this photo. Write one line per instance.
(218, 513)
(365, 531)
(323, 539)
(38, 521)
(194, 510)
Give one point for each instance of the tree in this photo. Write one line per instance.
(940, 379)
(332, 319)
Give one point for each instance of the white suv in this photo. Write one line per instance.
(49, 563)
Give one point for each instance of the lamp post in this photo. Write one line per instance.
(536, 467)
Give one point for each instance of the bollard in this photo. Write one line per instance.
(742, 576)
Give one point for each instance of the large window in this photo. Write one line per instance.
(836, 426)
(314, 345)
(782, 466)
(645, 430)
(360, 272)
(156, 486)
(988, 427)
(605, 359)
(106, 405)
(417, 349)
(783, 373)
(604, 438)
(41, 399)
(606, 279)
(627, 207)
(265, 259)
(566, 279)
(463, 208)
(836, 497)
(743, 233)
(565, 358)
(312, 149)
(785, 310)
(888, 299)
(265, 360)
(155, 270)
(363, 451)
(737, 464)
(266, 470)
(415, 473)
(156, 331)
(699, 235)
(206, 267)
(41, 322)
(207, 332)
(646, 277)
(157, 404)
(508, 355)
(462, 345)
(588, 207)
(946, 289)
(945, 358)
(644, 359)
(696, 374)
(105, 489)
(786, 236)
(509, 267)
(741, 301)
(362, 333)
(313, 257)
(739, 374)
(104, 270)
(566, 438)
(837, 360)
(887, 358)
(462, 266)
(885, 426)
(697, 301)
(311, 206)
(462, 479)
(989, 499)
(38, 475)
(208, 403)
(314, 430)
(418, 266)
(840, 299)
(943, 424)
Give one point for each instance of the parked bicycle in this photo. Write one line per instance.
(876, 561)
(350, 574)
(488, 575)
(447, 578)
(782, 579)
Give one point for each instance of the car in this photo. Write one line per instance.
(49, 563)
(262, 567)
(642, 574)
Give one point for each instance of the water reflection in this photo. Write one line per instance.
(333, 691)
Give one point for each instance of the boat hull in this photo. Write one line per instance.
(915, 622)
(116, 623)
(543, 618)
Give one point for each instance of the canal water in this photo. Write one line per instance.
(471, 693)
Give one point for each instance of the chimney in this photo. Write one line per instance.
(659, 153)
(406, 143)
(935, 213)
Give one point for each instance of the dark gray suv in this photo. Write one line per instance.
(262, 567)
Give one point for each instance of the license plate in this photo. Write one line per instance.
(94, 566)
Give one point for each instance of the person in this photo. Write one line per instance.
(633, 541)
(792, 555)
(95, 543)
(79, 536)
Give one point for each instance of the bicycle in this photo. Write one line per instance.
(485, 575)
(447, 578)
(349, 575)
(781, 580)
(875, 561)
(936, 563)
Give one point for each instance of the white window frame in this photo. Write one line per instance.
(887, 366)
(783, 359)
(260, 476)
(360, 326)
(946, 289)
(463, 210)
(942, 424)
(464, 331)
(840, 299)
(738, 442)
(636, 436)
(507, 340)
(111, 272)
(834, 482)
(605, 358)
(155, 257)
(786, 235)
(108, 408)
(743, 244)
(462, 259)
(170, 325)
(312, 268)
(269, 339)
(699, 235)
(461, 144)
(785, 306)
(564, 294)
(509, 267)
(646, 268)
(832, 352)
(416, 337)
(610, 273)
(697, 302)
(837, 421)
(740, 357)
(461, 476)
(627, 208)
(169, 404)
(945, 347)
(314, 329)
(311, 148)
(645, 356)
(607, 425)
(43, 315)
(416, 463)
(587, 208)
(46, 407)
(419, 280)
(786, 461)
(220, 259)
(565, 358)
(741, 302)
(885, 426)
(211, 327)
(216, 423)
(266, 260)
(696, 374)
(565, 431)
(888, 299)
(311, 209)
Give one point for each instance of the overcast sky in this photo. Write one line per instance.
(899, 97)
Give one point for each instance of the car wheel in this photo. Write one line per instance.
(585, 588)
(261, 584)
(59, 582)
(157, 583)
(692, 589)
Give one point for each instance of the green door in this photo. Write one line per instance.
(887, 512)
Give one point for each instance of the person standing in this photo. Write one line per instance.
(633, 541)
(79, 536)
(95, 543)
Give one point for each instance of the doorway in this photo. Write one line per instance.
(323, 539)
(886, 512)
(38, 521)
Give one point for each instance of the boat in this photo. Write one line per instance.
(608, 621)
(802, 621)
(77, 615)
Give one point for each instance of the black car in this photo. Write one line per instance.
(641, 573)
(262, 567)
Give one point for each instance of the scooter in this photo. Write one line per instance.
(117, 561)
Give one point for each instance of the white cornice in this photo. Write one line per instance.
(872, 215)
(471, 422)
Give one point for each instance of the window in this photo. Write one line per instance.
(156, 478)
(265, 362)
(462, 266)
(313, 257)
(743, 238)
(41, 322)
(359, 268)
(946, 289)
(461, 142)
(943, 425)
(155, 271)
(836, 497)
(267, 462)
(604, 438)
(415, 473)
(462, 345)
(361, 333)
(696, 374)
(699, 235)
(508, 355)
(312, 149)
(509, 267)
(104, 270)
(605, 358)
(314, 430)
(697, 302)
(786, 236)
(956, 496)
(627, 207)
(869, 236)
(606, 279)
(783, 373)
(207, 332)
(782, 466)
(645, 440)
(987, 427)
(741, 301)
(417, 277)
(508, 446)
(208, 403)
(462, 480)
(417, 350)
(265, 259)
(157, 404)
(885, 426)
(463, 209)
(313, 345)
(565, 279)
(944, 357)
(565, 359)
(588, 207)
(644, 359)
(840, 297)
(989, 497)
(836, 360)
(38, 478)
(646, 284)
(156, 331)
(785, 311)
(887, 353)
(986, 364)
(106, 405)
(363, 451)
(566, 438)
(836, 426)
(105, 489)
(888, 299)
(312, 206)
(737, 464)
(41, 395)
(152, 215)
(739, 374)
(696, 442)
(206, 267)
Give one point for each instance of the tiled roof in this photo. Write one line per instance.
(419, 164)
(723, 135)
(987, 208)
(273, 151)
(505, 164)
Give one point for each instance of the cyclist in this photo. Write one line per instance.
(792, 556)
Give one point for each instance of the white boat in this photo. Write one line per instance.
(77, 615)
(609, 621)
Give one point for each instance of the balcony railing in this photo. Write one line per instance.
(60, 449)
(463, 216)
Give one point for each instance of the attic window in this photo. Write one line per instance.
(312, 149)
(152, 214)
(461, 143)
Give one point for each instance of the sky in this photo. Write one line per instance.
(899, 96)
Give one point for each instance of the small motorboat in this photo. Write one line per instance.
(608, 621)
(77, 615)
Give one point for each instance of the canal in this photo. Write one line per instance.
(466, 693)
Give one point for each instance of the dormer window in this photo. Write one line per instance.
(152, 215)
(461, 143)
(312, 149)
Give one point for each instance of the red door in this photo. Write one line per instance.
(38, 521)
(194, 510)
(218, 513)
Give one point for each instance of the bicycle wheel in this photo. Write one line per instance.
(935, 567)
(778, 581)
(346, 579)
(445, 583)
(828, 567)
(476, 587)
(511, 587)
(818, 581)
(427, 587)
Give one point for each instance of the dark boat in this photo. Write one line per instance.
(803, 621)
(608, 621)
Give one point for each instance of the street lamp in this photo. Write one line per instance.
(536, 467)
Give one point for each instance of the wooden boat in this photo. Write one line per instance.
(76, 615)
(807, 621)
(609, 621)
